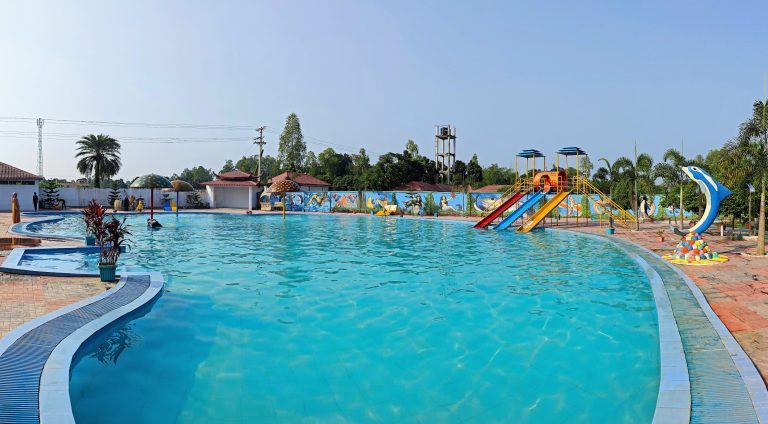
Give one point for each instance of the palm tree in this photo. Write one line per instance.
(670, 171)
(638, 175)
(100, 155)
(607, 173)
(752, 150)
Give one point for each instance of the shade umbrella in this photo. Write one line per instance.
(282, 187)
(179, 186)
(151, 181)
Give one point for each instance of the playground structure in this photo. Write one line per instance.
(547, 190)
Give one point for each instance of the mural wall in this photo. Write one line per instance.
(416, 202)
(442, 203)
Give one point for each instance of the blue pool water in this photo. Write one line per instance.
(354, 319)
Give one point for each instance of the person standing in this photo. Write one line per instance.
(35, 200)
(15, 211)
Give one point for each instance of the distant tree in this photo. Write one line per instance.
(459, 173)
(99, 155)
(114, 193)
(360, 163)
(195, 176)
(229, 166)
(311, 164)
(412, 148)
(50, 194)
(474, 171)
(292, 148)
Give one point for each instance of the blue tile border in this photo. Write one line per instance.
(53, 341)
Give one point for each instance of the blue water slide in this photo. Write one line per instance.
(517, 213)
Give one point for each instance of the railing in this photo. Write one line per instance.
(621, 216)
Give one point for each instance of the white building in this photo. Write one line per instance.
(235, 189)
(23, 183)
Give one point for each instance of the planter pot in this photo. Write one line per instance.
(610, 231)
(90, 240)
(107, 272)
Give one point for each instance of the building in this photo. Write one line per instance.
(422, 186)
(23, 183)
(306, 182)
(234, 189)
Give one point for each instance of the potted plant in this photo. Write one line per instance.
(93, 217)
(112, 236)
(660, 235)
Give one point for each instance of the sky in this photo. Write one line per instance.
(509, 75)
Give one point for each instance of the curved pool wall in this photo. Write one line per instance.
(725, 385)
(670, 407)
(36, 357)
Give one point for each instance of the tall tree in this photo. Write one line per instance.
(311, 165)
(474, 171)
(292, 148)
(100, 155)
(753, 152)
(412, 148)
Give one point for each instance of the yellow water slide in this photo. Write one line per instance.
(543, 212)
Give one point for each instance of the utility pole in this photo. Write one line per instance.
(682, 176)
(260, 141)
(637, 212)
(40, 123)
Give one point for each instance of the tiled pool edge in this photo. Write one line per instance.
(753, 381)
(55, 403)
(53, 390)
(750, 375)
(673, 402)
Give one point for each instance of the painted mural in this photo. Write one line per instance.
(416, 202)
(344, 201)
(482, 203)
(309, 202)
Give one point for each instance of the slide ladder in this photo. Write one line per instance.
(514, 198)
(620, 215)
(543, 212)
(532, 201)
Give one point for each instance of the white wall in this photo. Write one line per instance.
(24, 193)
(233, 197)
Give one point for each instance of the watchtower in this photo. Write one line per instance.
(445, 152)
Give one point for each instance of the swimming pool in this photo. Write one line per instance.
(352, 318)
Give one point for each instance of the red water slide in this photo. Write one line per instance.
(500, 210)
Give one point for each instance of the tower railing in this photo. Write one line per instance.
(620, 215)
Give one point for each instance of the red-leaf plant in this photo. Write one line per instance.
(93, 217)
(113, 237)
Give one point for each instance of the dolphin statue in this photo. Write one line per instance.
(714, 192)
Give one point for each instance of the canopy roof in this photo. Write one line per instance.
(236, 175)
(300, 179)
(284, 186)
(180, 186)
(151, 181)
(530, 153)
(571, 151)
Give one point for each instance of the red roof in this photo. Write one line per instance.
(422, 186)
(231, 183)
(11, 173)
(235, 175)
(300, 179)
(493, 188)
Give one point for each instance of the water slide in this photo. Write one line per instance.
(499, 210)
(543, 212)
(517, 213)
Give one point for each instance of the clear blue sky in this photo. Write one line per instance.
(509, 75)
